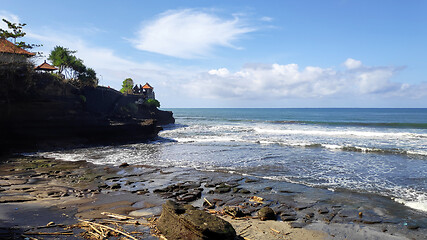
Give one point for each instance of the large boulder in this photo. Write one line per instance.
(187, 222)
(266, 213)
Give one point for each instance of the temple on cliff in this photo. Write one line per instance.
(146, 91)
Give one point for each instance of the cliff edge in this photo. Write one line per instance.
(53, 114)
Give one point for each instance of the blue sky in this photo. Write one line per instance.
(341, 53)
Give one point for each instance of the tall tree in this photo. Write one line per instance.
(15, 31)
(127, 86)
(72, 67)
(63, 58)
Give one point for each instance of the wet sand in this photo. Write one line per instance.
(35, 192)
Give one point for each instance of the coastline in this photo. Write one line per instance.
(62, 120)
(36, 191)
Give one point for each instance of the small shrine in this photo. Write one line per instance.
(45, 67)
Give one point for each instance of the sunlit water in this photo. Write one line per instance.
(381, 151)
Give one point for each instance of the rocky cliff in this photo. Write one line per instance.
(57, 115)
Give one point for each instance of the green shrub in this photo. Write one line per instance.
(82, 98)
(152, 103)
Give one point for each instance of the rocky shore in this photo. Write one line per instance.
(48, 196)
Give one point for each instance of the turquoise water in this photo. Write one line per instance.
(379, 151)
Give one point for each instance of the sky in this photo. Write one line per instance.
(240, 53)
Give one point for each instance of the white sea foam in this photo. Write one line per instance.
(365, 134)
(417, 152)
(332, 146)
(420, 204)
(207, 139)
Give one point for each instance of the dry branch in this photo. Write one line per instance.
(117, 216)
(31, 238)
(210, 204)
(110, 228)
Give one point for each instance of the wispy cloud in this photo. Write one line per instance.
(189, 33)
(259, 81)
(266, 19)
(112, 69)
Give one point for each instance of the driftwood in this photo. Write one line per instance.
(109, 228)
(133, 222)
(31, 238)
(51, 225)
(244, 229)
(257, 199)
(210, 204)
(117, 216)
(98, 231)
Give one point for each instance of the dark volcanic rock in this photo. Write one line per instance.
(323, 210)
(250, 180)
(233, 211)
(183, 192)
(186, 197)
(125, 164)
(177, 222)
(412, 226)
(266, 213)
(288, 218)
(222, 189)
(244, 191)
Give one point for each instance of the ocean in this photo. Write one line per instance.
(374, 151)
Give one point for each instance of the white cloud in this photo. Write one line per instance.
(110, 67)
(351, 63)
(222, 72)
(8, 16)
(189, 33)
(266, 19)
(277, 81)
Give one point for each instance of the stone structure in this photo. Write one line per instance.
(10, 53)
(146, 91)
